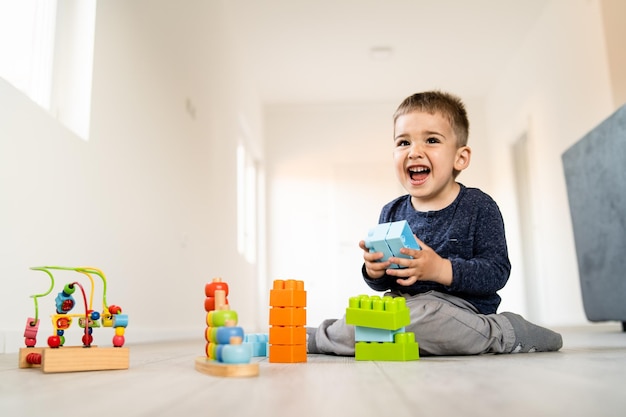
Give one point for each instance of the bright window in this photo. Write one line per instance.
(46, 51)
(27, 45)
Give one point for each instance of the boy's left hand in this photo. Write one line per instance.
(426, 265)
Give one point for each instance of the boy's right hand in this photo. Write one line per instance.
(374, 268)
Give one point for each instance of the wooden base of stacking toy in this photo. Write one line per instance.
(215, 368)
(74, 358)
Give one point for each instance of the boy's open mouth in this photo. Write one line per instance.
(418, 174)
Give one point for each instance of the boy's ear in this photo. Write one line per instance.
(463, 156)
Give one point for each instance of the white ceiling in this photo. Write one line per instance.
(319, 50)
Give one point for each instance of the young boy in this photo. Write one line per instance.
(451, 284)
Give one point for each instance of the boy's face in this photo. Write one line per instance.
(425, 157)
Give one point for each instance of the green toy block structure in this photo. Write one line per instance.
(403, 348)
(389, 313)
(372, 314)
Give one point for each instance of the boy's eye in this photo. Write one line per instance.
(432, 140)
(402, 142)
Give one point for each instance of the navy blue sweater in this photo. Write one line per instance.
(470, 233)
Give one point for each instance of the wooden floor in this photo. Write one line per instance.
(587, 378)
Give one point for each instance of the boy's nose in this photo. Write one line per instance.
(415, 151)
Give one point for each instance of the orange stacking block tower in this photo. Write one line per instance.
(287, 335)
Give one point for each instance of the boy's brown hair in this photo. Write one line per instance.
(449, 106)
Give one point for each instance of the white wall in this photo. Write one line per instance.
(151, 197)
(613, 12)
(557, 89)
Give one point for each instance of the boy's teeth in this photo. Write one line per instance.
(419, 173)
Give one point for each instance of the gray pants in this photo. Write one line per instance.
(443, 325)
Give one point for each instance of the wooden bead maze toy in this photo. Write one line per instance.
(59, 358)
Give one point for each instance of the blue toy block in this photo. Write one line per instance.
(400, 236)
(370, 334)
(376, 240)
(258, 343)
(389, 238)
